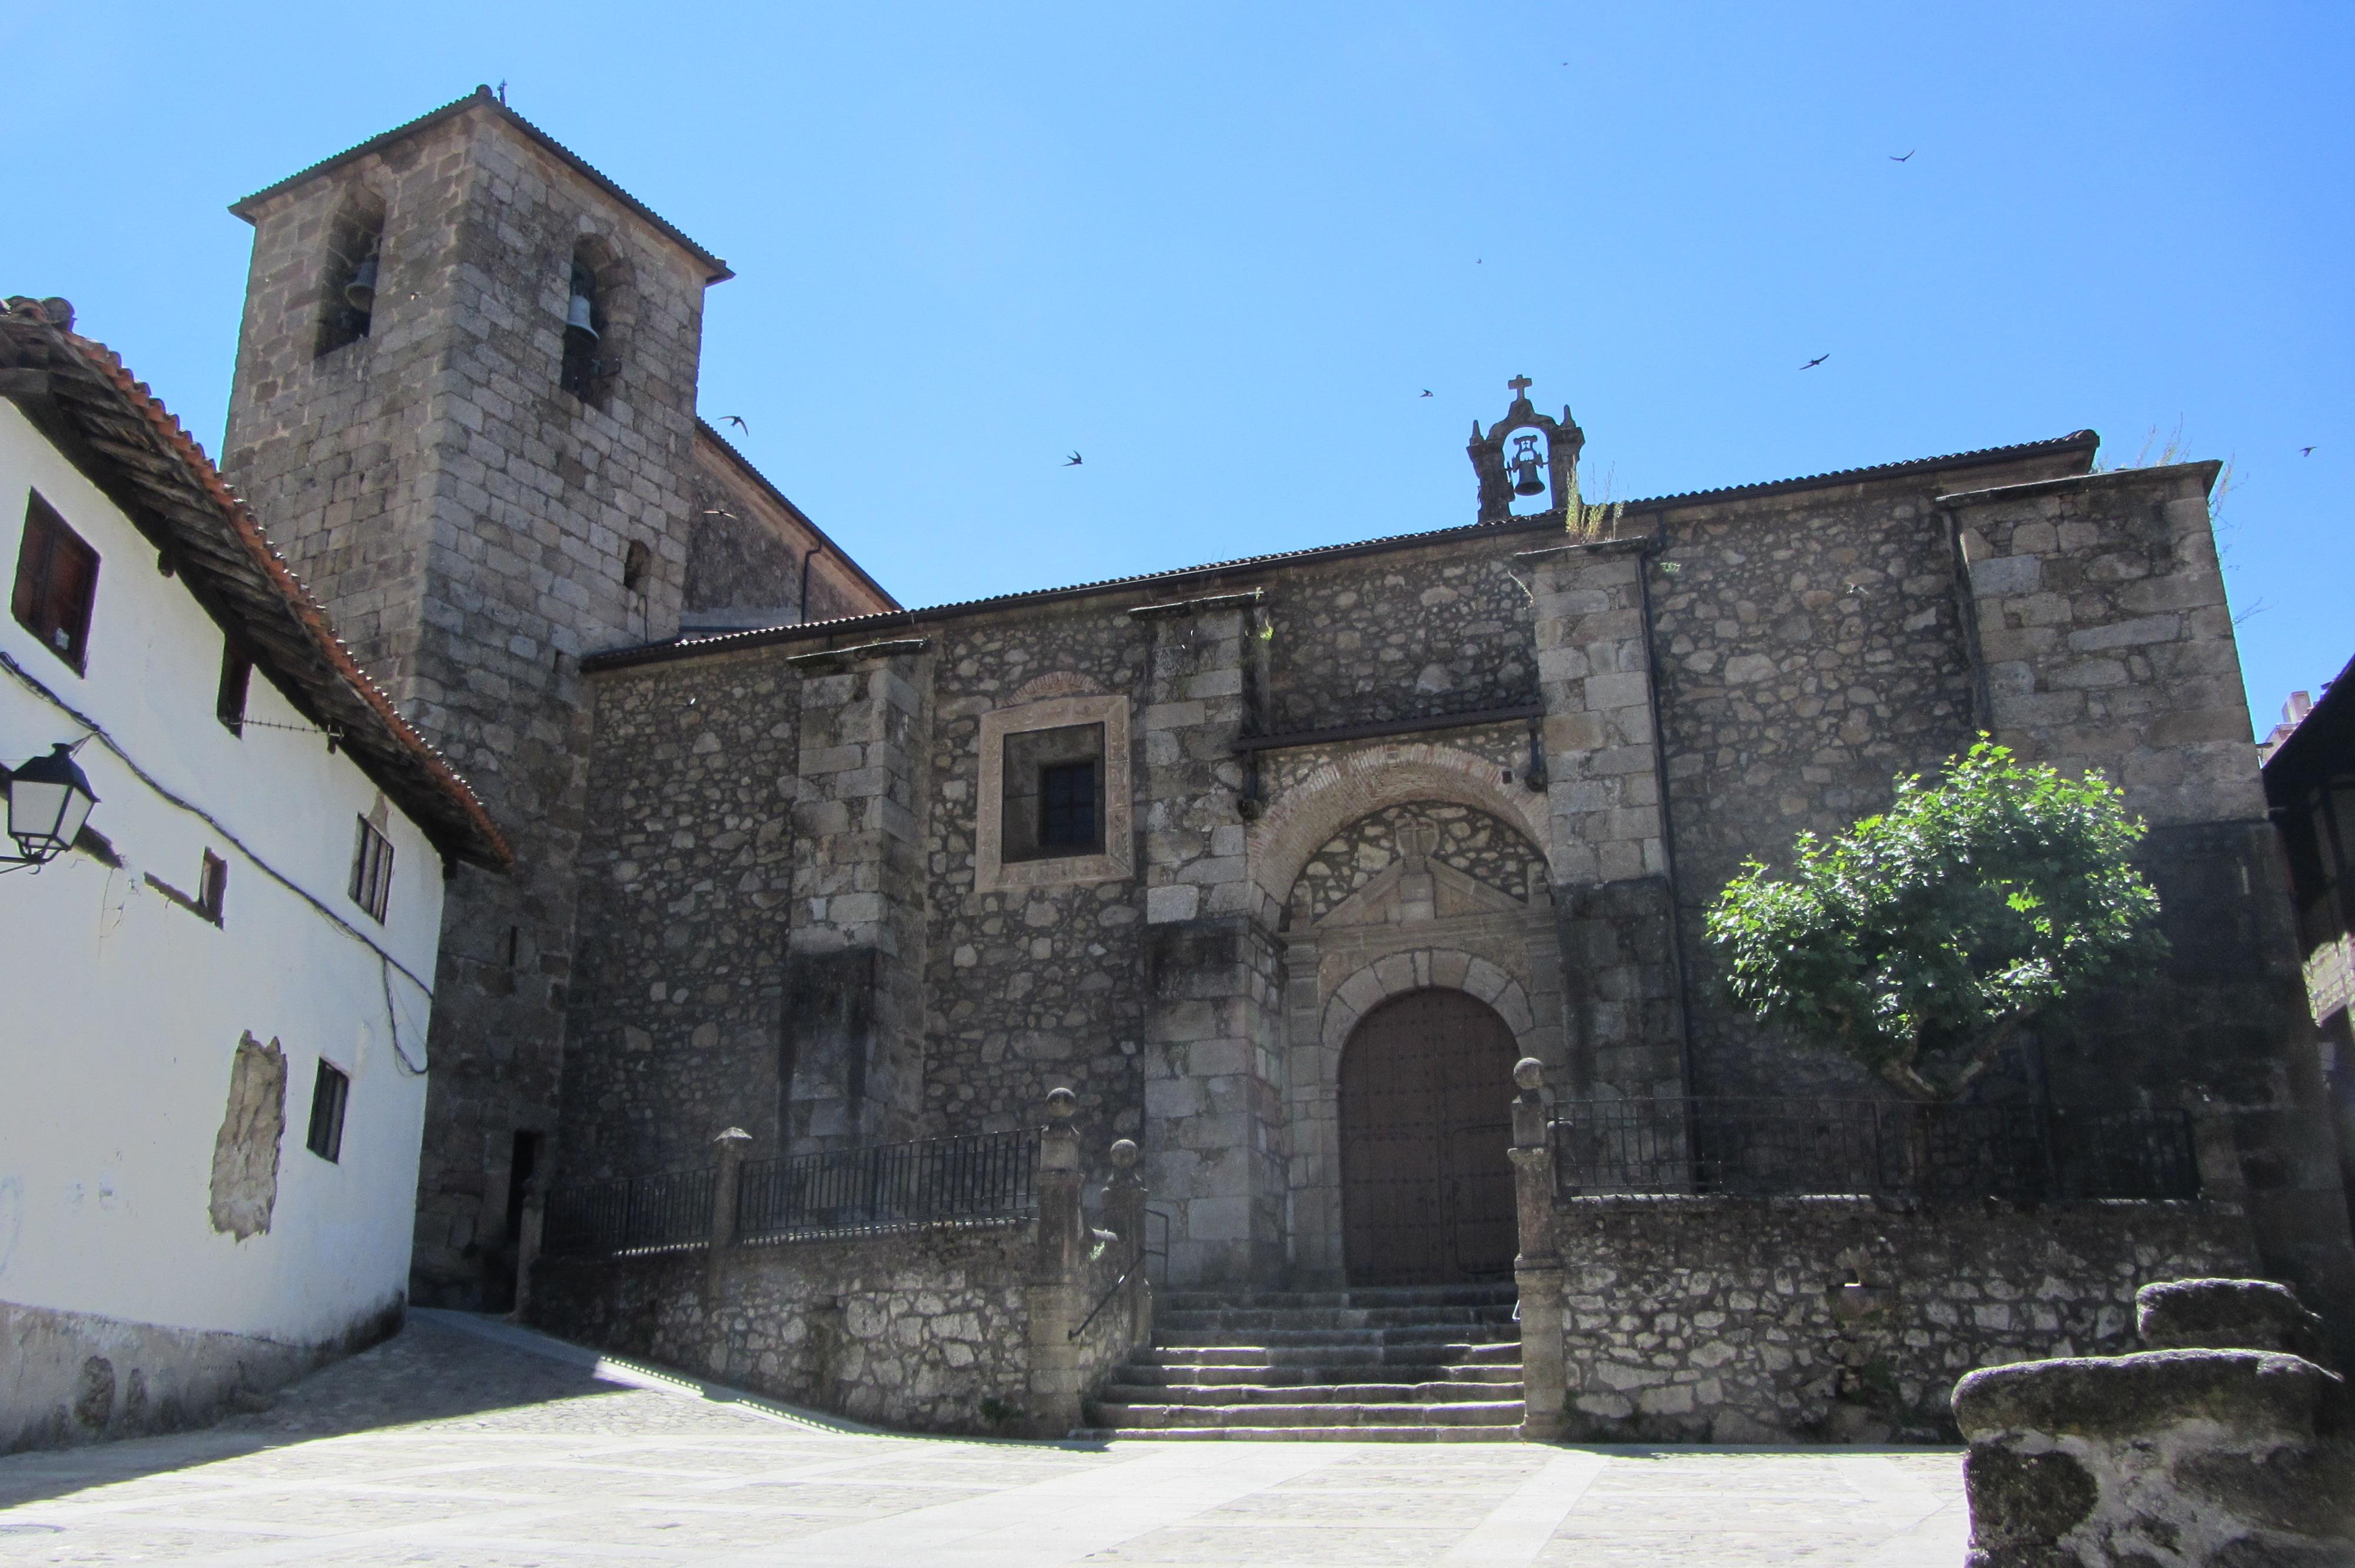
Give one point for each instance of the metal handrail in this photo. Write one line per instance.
(1145, 1250)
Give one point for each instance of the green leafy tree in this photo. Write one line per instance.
(1921, 941)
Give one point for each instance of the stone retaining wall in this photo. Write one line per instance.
(1845, 1320)
(926, 1330)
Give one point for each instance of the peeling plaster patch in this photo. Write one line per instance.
(245, 1155)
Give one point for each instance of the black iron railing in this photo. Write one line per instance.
(1154, 1248)
(939, 1180)
(1765, 1147)
(633, 1213)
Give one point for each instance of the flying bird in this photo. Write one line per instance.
(2302, 452)
(1909, 152)
(1073, 461)
(737, 421)
(1812, 363)
(1427, 392)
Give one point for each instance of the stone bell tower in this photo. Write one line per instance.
(464, 407)
(1526, 471)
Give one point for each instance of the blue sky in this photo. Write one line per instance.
(1221, 248)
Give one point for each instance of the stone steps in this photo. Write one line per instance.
(1201, 1374)
(1313, 1354)
(1438, 1364)
(1196, 1393)
(1132, 1417)
(1436, 1336)
(1338, 1318)
(1496, 1434)
(1412, 1296)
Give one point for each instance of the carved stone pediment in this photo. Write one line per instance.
(1419, 887)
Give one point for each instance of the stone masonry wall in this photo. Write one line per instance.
(749, 555)
(1844, 1319)
(927, 1330)
(1033, 986)
(2107, 643)
(1808, 652)
(1361, 640)
(686, 891)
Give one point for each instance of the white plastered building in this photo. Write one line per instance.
(213, 1008)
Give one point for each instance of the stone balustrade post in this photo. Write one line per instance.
(1125, 1211)
(1538, 1270)
(529, 1231)
(1051, 1295)
(727, 1181)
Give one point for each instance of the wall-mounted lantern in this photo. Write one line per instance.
(49, 799)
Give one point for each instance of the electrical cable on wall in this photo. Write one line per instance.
(34, 684)
(392, 1018)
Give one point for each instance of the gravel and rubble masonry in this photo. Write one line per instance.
(926, 1330)
(1845, 1320)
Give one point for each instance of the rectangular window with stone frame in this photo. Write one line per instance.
(1054, 807)
(1053, 792)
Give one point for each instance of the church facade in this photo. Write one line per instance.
(1280, 864)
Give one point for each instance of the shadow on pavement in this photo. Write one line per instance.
(430, 1370)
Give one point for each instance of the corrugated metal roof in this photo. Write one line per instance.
(690, 647)
(483, 97)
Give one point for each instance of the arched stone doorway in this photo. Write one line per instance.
(1426, 1184)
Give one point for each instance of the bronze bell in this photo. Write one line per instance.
(1527, 467)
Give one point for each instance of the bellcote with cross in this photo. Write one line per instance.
(1539, 473)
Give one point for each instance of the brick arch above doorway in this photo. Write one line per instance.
(1313, 808)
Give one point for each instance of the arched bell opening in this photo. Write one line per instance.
(348, 276)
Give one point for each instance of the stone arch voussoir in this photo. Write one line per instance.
(1422, 969)
(1313, 809)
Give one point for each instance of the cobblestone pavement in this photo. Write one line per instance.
(468, 1442)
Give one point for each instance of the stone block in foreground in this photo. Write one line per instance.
(2177, 1457)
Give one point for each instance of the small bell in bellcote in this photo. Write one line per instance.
(1529, 468)
(360, 293)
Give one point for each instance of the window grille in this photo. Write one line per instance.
(371, 870)
(56, 583)
(329, 1092)
(1067, 806)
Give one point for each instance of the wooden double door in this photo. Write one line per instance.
(1427, 1183)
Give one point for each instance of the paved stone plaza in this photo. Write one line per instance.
(465, 1442)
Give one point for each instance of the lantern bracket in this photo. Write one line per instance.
(49, 799)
